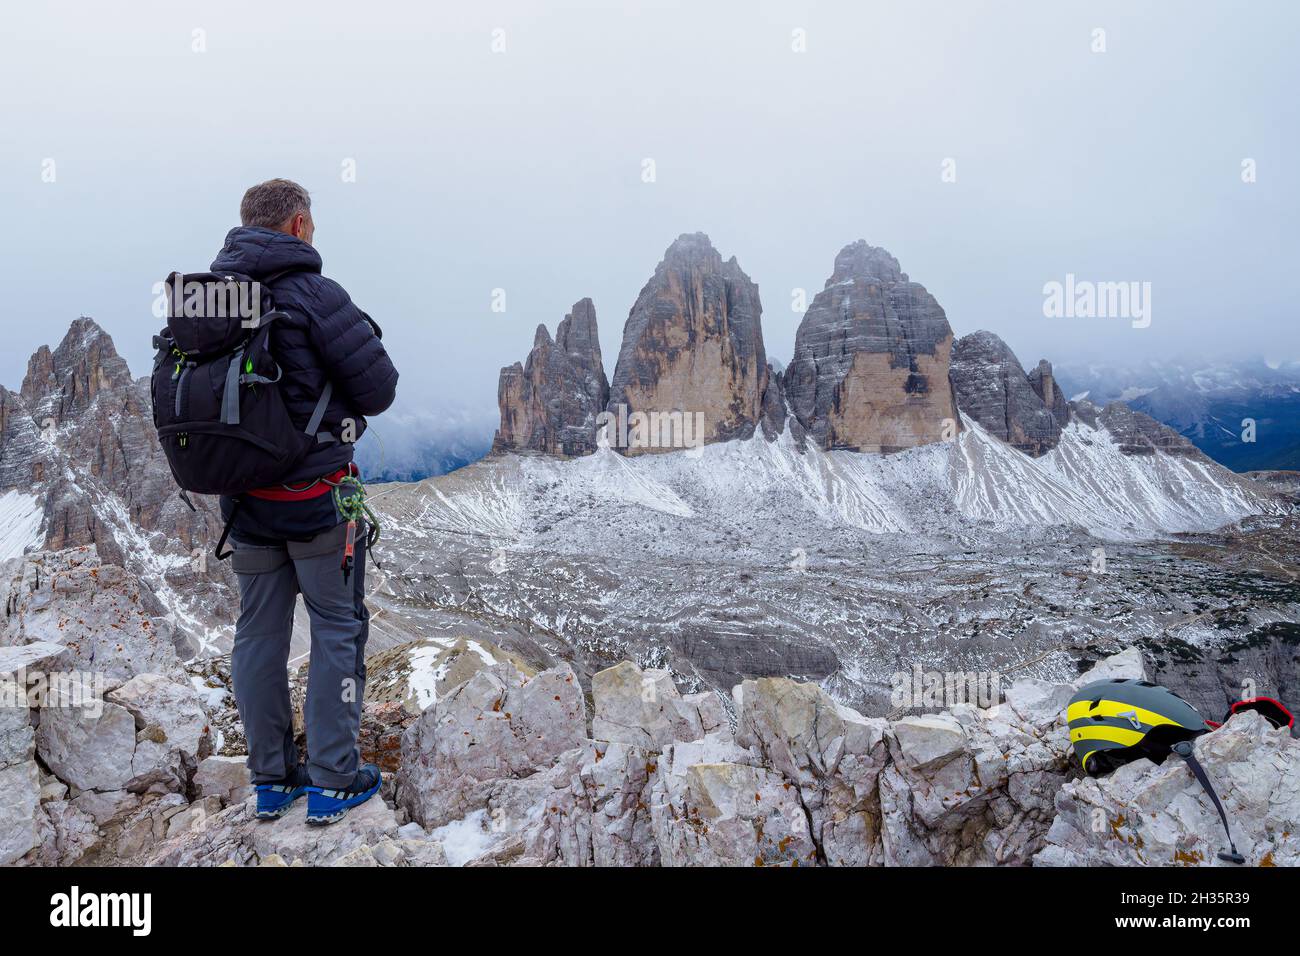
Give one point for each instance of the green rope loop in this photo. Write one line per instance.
(352, 506)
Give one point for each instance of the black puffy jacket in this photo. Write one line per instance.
(325, 337)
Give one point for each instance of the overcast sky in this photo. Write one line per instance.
(523, 170)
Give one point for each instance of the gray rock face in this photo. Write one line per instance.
(643, 708)
(171, 724)
(80, 434)
(1283, 482)
(550, 403)
(805, 781)
(79, 401)
(693, 344)
(1140, 434)
(226, 778)
(90, 747)
(833, 755)
(733, 814)
(105, 617)
(595, 811)
(148, 733)
(775, 410)
(499, 724)
(870, 366)
(20, 800)
(993, 389)
(1043, 382)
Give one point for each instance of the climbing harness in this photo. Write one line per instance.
(352, 506)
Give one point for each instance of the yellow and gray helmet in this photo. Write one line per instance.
(1115, 721)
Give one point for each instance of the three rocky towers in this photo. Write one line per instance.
(875, 367)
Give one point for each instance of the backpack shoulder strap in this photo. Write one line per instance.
(317, 413)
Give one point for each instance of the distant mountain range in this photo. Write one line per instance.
(406, 446)
(1210, 404)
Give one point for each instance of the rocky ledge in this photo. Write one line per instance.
(489, 762)
(505, 769)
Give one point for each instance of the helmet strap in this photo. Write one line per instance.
(1185, 750)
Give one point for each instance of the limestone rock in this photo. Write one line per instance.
(147, 826)
(80, 434)
(1127, 663)
(106, 617)
(550, 403)
(413, 674)
(1043, 381)
(20, 804)
(70, 834)
(969, 788)
(597, 812)
(107, 807)
(171, 724)
(929, 741)
(90, 744)
(870, 366)
(20, 670)
(37, 656)
(775, 410)
(226, 778)
(833, 755)
(644, 709)
(993, 389)
(1140, 434)
(693, 344)
(733, 814)
(192, 818)
(1086, 412)
(235, 833)
(500, 724)
(1039, 703)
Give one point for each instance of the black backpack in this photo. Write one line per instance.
(221, 419)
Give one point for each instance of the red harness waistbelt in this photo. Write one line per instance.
(307, 490)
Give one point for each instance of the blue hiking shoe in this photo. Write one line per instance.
(275, 799)
(329, 806)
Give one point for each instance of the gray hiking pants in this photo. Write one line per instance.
(270, 580)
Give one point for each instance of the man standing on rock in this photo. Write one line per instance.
(295, 537)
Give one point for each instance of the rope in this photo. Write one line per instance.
(352, 505)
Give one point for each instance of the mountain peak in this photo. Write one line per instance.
(693, 345)
(691, 248)
(549, 403)
(577, 333)
(82, 332)
(870, 366)
(69, 377)
(860, 260)
(993, 389)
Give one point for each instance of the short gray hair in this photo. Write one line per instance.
(272, 203)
